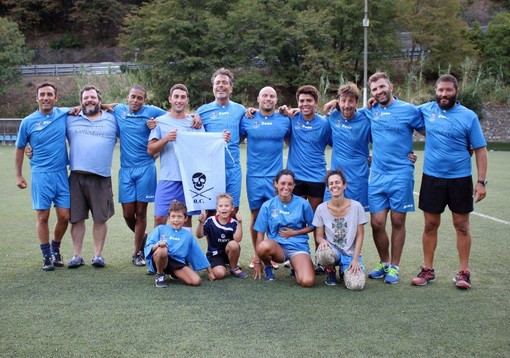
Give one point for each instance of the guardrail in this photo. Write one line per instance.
(101, 68)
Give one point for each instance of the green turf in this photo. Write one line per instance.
(117, 311)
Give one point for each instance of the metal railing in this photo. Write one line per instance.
(101, 68)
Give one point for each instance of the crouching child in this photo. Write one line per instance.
(170, 247)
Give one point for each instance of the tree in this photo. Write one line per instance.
(12, 53)
(99, 18)
(436, 28)
(496, 49)
(284, 43)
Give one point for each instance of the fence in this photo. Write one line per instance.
(101, 68)
(9, 130)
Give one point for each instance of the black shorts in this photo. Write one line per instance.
(173, 266)
(220, 259)
(436, 193)
(309, 188)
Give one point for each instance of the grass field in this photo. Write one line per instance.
(118, 312)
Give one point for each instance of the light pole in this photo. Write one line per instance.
(366, 24)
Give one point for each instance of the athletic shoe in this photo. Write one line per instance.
(462, 279)
(138, 259)
(98, 261)
(319, 269)
(391, 274)
(48, 264)
(292, 274)
(330, 278)
(425, 276)
(268, 271)
(380, 271)
(287, 264)
(76, 261)
(160, 281)
(57, 259)
(237, 272)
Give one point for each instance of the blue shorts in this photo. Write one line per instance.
(137, 184)
(50, 187)
(356, 191)
(394, 191)
(166, 192)
(344, 260)
(294, 249)
(233, 183)
(259, 190)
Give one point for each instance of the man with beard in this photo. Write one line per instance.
(391, 181)
(92, 136)
(447, 175)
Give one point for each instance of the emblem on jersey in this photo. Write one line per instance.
(199, 181)
(274, 213)
(256, 124)
(214, 115)
(433, 117)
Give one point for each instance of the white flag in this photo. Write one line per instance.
(201, 158)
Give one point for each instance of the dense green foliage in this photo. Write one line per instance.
(12, 52)
(285, 43)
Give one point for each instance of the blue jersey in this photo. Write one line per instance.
(134, 134)
(182, 247)
(392, 136)
(47, 137)
(218, 235)
(266, 138)
(350, 140)
(217, 118)
(450, 133)
(308, 143)
(274, 215)
(91, 143)
(169, 165)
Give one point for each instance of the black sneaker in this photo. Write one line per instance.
(138, 259)
(320, 270)
(57, 259)
(48, 264)
(161, 281)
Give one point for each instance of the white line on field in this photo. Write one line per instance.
(474, 213)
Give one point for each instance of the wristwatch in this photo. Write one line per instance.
(483, 182)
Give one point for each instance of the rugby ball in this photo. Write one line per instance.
(326, 257)
(354, 281)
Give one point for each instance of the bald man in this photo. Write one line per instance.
(266, 133)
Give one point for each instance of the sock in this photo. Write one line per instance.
(55, 247)
(45, 249)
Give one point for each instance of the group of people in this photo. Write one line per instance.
(286, 204)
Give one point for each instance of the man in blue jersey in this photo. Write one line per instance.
(266, 132)
(225, 115)
(391, 181)
(308, 141)
(447, 175)
(45, 131)
(92, 136)
(350, 137)
(161, 140)
(137, 174)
